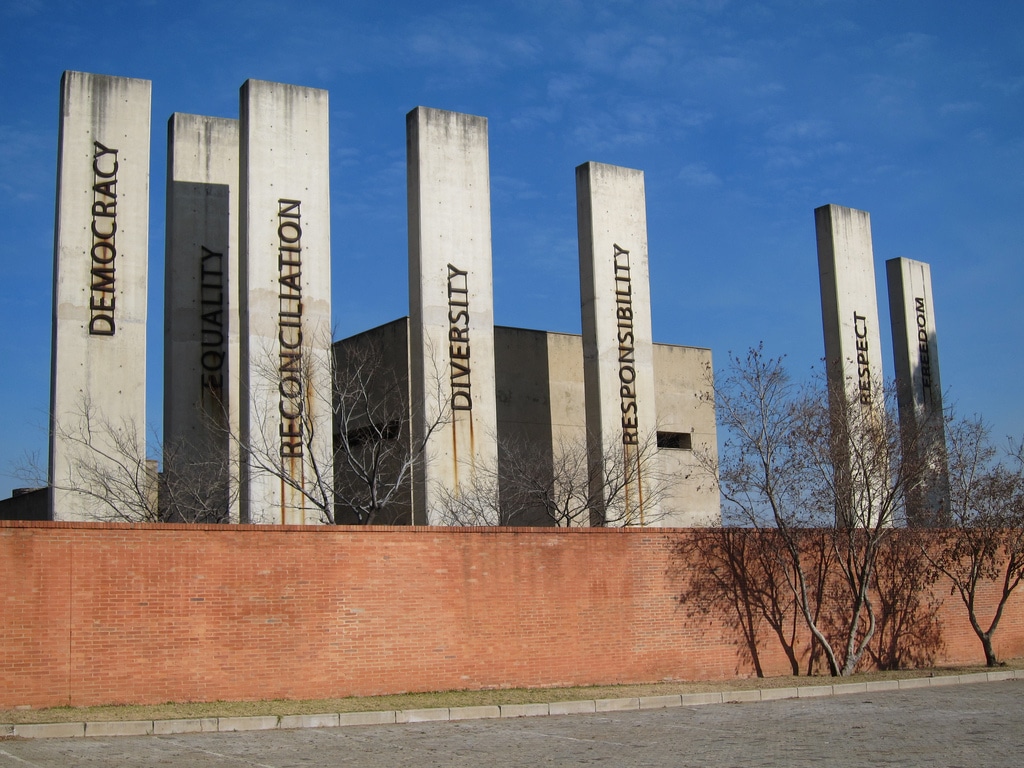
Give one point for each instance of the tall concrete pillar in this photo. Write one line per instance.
(849, 313)
(918, 387)
(285, 316)
(849, 309)
(201, 303)
(101, 252)
(618, 367)
(451, 311)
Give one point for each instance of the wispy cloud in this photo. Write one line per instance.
(914, 45)
(637, 123)
(22, 8)
(513, 187)
(564, 86)
(531, 117)
(806, 130)
(959, 107)
(781, 157)
(699, 175)
(1009, 86)
(26, 170)
(469, 41)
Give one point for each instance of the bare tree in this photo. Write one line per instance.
(284, 440)
(792, 463)
(984, 546)
(195, 485)
(115, 481)
(563, 486)
(108, 473)
(366, 477)
(477, 501)
(558, 484)
(375, 451)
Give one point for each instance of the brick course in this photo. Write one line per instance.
(96, 613)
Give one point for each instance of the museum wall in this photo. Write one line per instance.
(107, 613)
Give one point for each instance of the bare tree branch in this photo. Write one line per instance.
(831, 480)
(984, 546)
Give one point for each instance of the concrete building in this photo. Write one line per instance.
(915, 351)
(438, 418)
(101, 253)
(542, 472)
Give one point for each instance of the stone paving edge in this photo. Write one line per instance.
(445, 714)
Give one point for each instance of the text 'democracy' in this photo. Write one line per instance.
(103, 253)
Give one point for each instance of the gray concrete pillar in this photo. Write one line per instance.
(101, 252)
(919, 387)
(618, 365)
(285, 316)
(201, 319)
(451, 311)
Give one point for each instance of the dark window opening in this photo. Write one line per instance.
(680, 441)
(373, 434)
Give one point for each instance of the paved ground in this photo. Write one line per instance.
(967, 725)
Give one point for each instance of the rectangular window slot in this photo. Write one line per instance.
(680, 441)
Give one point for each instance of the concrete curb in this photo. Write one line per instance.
(445, 714)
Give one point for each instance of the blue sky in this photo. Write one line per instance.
(745, 116)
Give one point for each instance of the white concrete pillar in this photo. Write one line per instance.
(285, 316)
(849, 308)
(918, 386)
(451, 309)
(201, 314)
(101, 253)
(618, 364)
(853, 354)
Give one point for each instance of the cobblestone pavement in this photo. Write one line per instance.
(967, 725)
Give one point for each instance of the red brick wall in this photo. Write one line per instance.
(102, 613)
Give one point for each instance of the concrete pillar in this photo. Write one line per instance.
(849, 309)
(918, 386)
(101, 253)
(285, 318)
(201, 319)
(451, 311)
(849, 313)
(618, 367)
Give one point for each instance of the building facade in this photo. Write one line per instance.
(543, 475)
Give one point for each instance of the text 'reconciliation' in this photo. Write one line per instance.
(289, 327)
